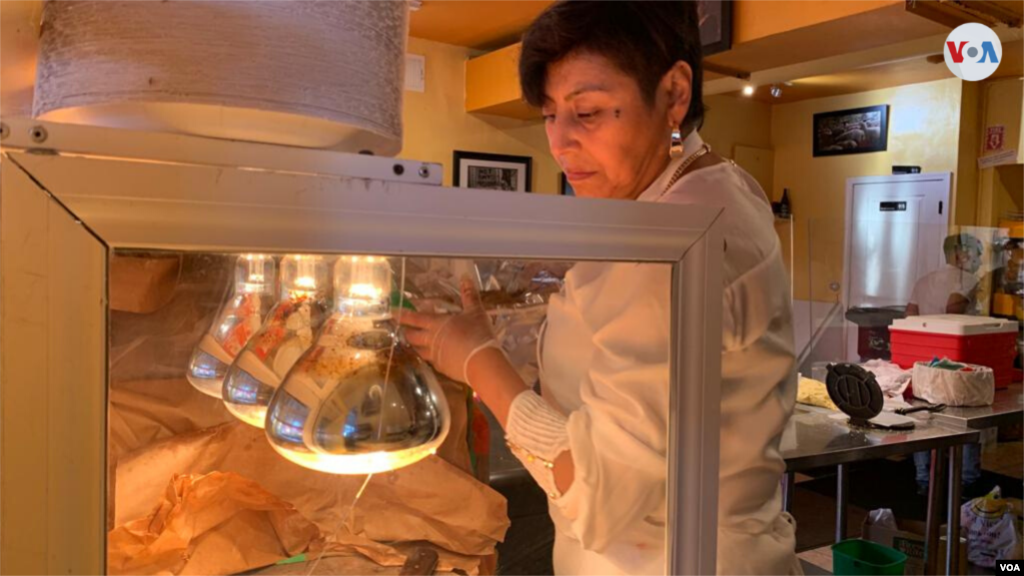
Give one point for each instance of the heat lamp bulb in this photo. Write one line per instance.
(251, 296)
(363, 286)
(360, 401)
(303, 305)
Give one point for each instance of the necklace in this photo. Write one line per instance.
(705, 149)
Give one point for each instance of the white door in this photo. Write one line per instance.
(895, 226)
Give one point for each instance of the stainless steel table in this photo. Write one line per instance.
(1007, 408)
(816, 437)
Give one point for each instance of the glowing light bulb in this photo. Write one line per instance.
(362, 286)
(748, 90)
(288, 332)
(239, 317)
(364, 291)
(359, 401)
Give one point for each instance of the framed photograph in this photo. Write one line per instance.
(565, 189)
(853, 131)
(492, 171)
(715, 21)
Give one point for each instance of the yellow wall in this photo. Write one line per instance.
(965, 203)
(731, 121)
(436, 122)
(998, 190)
(923, 130)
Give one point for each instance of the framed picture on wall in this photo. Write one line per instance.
(492, 171)
(714, 18)
(853, 131)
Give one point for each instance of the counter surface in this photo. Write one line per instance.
(818, 437)
(1007, 408)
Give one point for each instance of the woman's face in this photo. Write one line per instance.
(606, 138)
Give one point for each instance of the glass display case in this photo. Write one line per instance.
(202, 370)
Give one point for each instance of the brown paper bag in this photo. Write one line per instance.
(220, 523)
(141, 283)
(429, 501)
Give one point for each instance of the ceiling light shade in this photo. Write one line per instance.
(314, 74)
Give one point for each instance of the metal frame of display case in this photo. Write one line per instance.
(71, 195)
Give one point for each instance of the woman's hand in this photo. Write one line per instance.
(449, 341)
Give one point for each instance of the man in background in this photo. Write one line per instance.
(951, 289)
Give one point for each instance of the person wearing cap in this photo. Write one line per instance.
(951, 289)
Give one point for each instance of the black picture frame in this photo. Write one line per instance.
(493, 171)
(564, 187)
(715, 23)
(852, 131)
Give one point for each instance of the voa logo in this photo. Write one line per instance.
(1008, 566)
(973, 51)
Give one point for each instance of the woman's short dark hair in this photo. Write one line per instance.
(644, 39)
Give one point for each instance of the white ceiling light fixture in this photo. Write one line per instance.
(776, 91)
(748, 90)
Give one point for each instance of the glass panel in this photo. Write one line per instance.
(269, 404)
(817, 309)
(896, 270)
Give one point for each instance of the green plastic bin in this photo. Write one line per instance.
(864, 558)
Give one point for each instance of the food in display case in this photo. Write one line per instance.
(288, 332)
(360, 401)
(241, 316)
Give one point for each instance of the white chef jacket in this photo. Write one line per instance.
(604, 363)
(932, 291)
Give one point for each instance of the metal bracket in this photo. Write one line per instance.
(26, 134)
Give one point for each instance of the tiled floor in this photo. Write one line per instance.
(820, 557)
(1005, 458)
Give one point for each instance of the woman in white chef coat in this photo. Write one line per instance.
(613, 80)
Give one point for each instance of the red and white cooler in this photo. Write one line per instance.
(978, 340)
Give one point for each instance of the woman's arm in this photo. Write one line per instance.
(497, 383)
(603, 464)
(463, 348)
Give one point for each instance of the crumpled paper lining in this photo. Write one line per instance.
(217, 523)
(429, 501)
(159, 427)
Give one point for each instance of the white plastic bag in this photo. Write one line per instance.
(953, 387)
(988, 524)
(883, 518)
